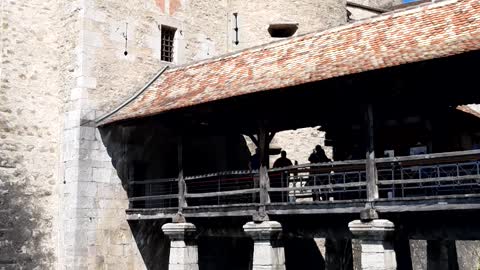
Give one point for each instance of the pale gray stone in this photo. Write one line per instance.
(375, 251)
(266, 255)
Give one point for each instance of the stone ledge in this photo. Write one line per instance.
(376, 229)
(178, 231)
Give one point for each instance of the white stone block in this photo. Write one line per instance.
(86, 82)
(375, 247)
(154, 43)
(372, 236)
(101, 175)
(178, 244)
(87, 133)
(71, 176)
(268, 267)
(186, 255)
(72, 119)
(71, 135)
(265, 254)
(95, 15)
(93, 39)
(87, 189)
(99, 155)
(183, 267)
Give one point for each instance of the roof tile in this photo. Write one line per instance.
(426, 32)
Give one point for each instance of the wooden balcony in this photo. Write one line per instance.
(432, 182)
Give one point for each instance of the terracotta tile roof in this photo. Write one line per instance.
(426, 32)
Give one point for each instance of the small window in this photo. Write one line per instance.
(168, 34)
(282, 30)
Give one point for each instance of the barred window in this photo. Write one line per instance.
(168, 34)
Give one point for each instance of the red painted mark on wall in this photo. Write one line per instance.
(160, 4)
(173, 4)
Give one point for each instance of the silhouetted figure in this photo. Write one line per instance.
(282, 161)
(282, 180)
(318, 155)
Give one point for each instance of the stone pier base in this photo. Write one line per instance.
(376, 247)
(183, 250)
(268, 251)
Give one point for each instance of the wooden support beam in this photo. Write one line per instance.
(222, 193)
(371, 169)
(130, 170)
(182, 186)
(263, 172)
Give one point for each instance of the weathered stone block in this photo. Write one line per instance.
(268, 251)
(183, 251)
(185, 255)
(375, 247)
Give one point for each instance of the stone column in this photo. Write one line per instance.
(268, 251)
(376, 248)
(183, 250)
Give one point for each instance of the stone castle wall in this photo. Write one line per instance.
(63, 65)
(254, 18)
(30, 123)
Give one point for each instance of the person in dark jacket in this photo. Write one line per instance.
(282, 161)
(318, 155)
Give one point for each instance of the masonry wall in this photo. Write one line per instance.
(63, 65)
(96, 234)
(254, 18)
(30, 123)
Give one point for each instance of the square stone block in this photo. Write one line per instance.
(186, 255)
(265, 254)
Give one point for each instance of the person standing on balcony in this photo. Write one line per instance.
(282, 161)
(318, 156)
(281, 181)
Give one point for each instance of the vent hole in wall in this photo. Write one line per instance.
(282, 30)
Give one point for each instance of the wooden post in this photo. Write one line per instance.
(264, 160)
(129, 169)
(182, 187)
(371, 168)
(263, 174)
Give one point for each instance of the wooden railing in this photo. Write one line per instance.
(399, 177)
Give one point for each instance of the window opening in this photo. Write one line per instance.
(168, 35)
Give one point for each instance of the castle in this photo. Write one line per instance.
(65, 64)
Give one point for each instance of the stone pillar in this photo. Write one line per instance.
(441, 255)
(376, 248)
(183, 250)
(268, 251)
